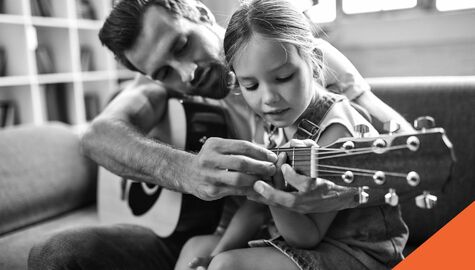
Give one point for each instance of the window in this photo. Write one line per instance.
(324, 11)
(446, 5)
(365, 6)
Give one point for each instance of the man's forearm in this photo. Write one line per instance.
(381, 111)
(123, 150)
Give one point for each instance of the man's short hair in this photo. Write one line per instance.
(124, 24)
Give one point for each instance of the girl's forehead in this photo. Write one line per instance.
(265, 51)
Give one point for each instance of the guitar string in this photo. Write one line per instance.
(365, 172)
(370, 172)
(345, 150)
(299, 149)
(351, 152)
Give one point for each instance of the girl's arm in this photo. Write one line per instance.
(306, 231)
(300, 230)
(243, 227)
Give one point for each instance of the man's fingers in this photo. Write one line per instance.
(246, 164)
(245, 148)
(237, 179)
(278, 178)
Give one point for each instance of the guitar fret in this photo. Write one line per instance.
(293, 158)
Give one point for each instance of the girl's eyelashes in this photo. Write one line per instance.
(251, 87)
(285, 78)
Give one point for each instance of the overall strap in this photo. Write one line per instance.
(309, 123)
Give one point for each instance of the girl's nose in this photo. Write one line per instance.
(269, 96)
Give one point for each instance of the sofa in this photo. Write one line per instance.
(46, 185)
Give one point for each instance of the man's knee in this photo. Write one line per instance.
(61, 251)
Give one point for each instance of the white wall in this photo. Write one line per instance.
(407, 43)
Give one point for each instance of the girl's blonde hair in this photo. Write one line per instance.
(275, 19)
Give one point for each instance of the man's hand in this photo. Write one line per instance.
(228, 167)
(312, 195)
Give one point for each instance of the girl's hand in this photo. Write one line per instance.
(279, 180)
(200, 263)
(311, 195)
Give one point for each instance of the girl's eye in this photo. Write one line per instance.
(251, 87)
(285, 78)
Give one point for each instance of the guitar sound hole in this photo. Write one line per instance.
(141, 199)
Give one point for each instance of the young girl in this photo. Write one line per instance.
(276, 60)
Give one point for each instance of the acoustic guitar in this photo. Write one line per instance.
(186, 126)
(419, 161)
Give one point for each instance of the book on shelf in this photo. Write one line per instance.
(2, 6)
(57, 102)
(8, 113)
(42, 8)
(93, 108)
(85, 10)
(3, 62)
(44, 60)
(87, 60)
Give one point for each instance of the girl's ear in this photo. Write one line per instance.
(206, 15)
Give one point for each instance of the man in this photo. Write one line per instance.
(177, 47)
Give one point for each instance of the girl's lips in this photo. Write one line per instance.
(276, 112)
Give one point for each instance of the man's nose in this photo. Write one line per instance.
(186, 70)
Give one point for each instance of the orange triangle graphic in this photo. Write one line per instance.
(452, 247)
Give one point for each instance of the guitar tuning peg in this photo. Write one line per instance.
(391, 197)
(362, 130)
(363, 196)
(426, 200)
(391, 126)
(424, 122)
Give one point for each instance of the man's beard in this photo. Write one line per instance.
(218, 87)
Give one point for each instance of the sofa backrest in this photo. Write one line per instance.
(42, 174)
(451, 101)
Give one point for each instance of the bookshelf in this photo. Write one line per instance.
(55, 67)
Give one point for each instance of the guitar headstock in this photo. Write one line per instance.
(398, 163)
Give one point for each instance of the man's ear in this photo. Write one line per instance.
(205, 13)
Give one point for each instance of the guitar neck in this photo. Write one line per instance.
(300, 158)
(421, 160)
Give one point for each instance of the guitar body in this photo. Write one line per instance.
(185, 126)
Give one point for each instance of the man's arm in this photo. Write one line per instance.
(117, 139)
(341, 76)
(381, 111)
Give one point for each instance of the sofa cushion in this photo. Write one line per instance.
(15, 246)
(451, 101)
(42, 174)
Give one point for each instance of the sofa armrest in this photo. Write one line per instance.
(42, 174)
